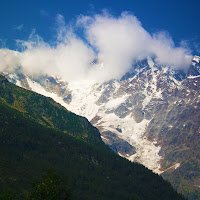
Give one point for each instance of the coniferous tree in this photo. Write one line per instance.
(7, 195)
(50, 187)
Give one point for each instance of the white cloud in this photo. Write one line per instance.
(34, 41)
(165, 51)
(116, 42)
(69, 59)
(9, 60)
(120, 41)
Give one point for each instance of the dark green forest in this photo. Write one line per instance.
(37, 134)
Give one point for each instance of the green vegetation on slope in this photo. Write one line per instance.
(47, 112)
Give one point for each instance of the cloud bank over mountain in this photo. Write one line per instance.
(116, 42)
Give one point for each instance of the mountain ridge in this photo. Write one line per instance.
(143, 113)
(28, 148)
(24, 101)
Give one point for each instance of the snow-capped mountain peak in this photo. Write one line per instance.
(196, 59)
(145, 116)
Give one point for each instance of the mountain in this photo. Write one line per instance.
(32, 140)
(47, 112)
(150, 116)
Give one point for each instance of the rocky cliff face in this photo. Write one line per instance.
(151, 116)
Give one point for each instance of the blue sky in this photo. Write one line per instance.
(179, 18)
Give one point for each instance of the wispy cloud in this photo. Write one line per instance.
(3, 43)
(19, 27)
(197, 47)
(44, 13)
(117, 42)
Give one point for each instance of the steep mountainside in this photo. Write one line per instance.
(47, 112)
(150, 116)
(28, 146)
